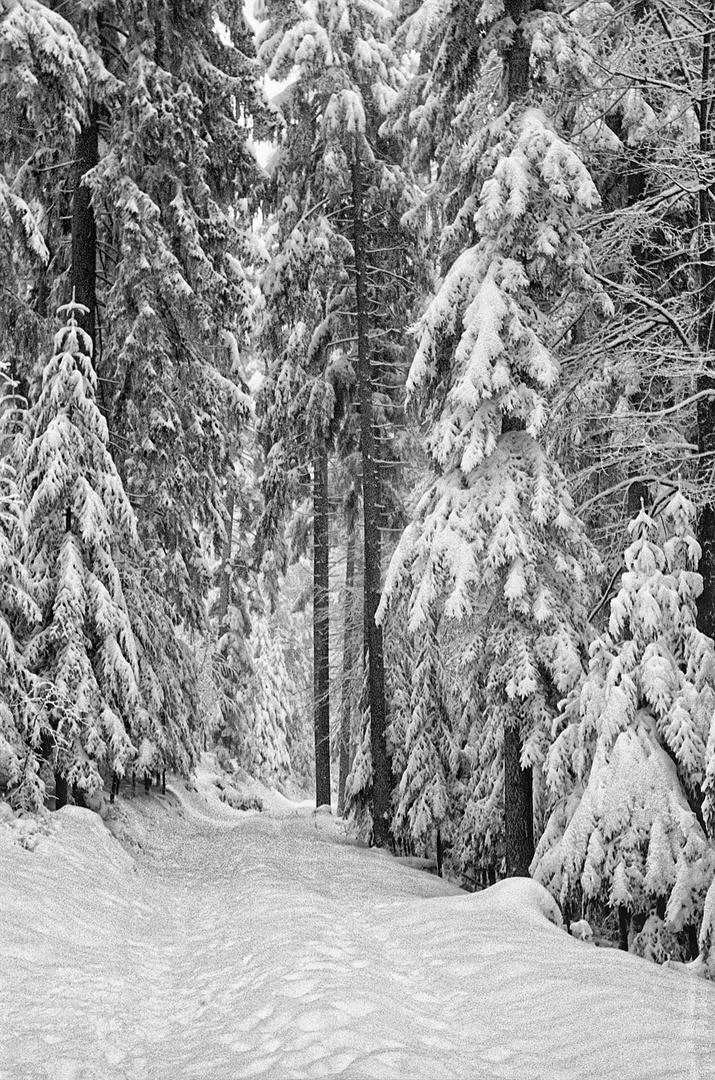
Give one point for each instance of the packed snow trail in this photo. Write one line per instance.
(269, 946)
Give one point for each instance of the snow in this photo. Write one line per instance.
(219, 944)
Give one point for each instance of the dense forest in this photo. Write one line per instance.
(358, 418)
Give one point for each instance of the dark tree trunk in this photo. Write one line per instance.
(706, 340)
(84, 228)
(78, 797)
(518, 782)
(518, 807)
(321, 625)
(381, 768)
(61, 791)
(224, 595)
(517, 57)
(624, 922)
(440, 853)
(350, 655)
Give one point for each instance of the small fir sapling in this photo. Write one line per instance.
(270, 698)
(431, 755)
(626, 771)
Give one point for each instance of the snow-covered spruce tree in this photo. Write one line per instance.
(133, 124)
(430, 752)
(269, 702)
(628, 767)
(21, 741)
(495, 534)
(80, 529)
(44, 86)
(170, 201)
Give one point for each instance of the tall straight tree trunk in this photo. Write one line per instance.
(381, 768)
(518, 807)
(225, 581)
(349, 661)
(84, 281)
(84, 227)
(518, 782)
(321, 625)
(706, 331)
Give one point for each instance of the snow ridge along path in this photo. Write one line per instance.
(235, 945)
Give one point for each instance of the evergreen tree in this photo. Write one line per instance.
(426, 791)
(81, 528)
(270, 700)
(168, 194)
(629, 765)
(495, 534)
(132, 153)
(44, 88)
(21, 734)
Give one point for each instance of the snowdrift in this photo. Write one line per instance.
(223, 944)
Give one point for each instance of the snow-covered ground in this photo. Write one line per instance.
(219, 944)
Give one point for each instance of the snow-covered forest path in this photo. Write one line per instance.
(271, 946)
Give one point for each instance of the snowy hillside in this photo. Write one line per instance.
(221, 944)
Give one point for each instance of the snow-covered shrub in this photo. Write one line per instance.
(627, 770)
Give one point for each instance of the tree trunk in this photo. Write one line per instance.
(381, 768)
(349, 661)
(518, 783)
(84, 228)
(706, 340)
(321, 625)
(224, 596)
(61, 791)
(624, 922)
(518, 807)
(517, 56)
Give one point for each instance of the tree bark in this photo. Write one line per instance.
(518, 782)
(61, 791)
(321, 625)
(517, 56)
(624, 922)
(381, 767)
(84, 227)
(224, 596)
(706, 339)
(349, 661)
(518, 807)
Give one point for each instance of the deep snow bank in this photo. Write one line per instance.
(230, 944)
